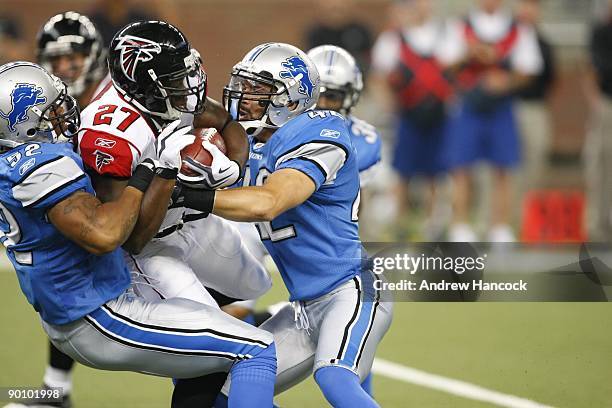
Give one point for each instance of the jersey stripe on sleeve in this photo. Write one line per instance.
(329, 157)
(47, 179)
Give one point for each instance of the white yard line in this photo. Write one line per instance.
(460, 388)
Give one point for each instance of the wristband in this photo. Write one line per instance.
(142, 176)
(196, 199)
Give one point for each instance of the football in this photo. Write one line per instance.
(197, 153)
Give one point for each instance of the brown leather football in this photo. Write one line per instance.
(197, 153)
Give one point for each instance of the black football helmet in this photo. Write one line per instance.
(152, 64)
(66, 34)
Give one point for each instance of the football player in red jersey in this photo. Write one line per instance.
(158, 84)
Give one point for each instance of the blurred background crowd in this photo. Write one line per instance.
(496, 115)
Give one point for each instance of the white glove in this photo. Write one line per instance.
(222, 172)
(170, 142)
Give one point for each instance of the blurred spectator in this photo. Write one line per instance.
(336, 26)
(598, 147)
(112, 15)
(492, 56)
(532, 109)
(404, 63)
(12, 46)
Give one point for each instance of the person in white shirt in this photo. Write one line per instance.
(492, 56)
(414, 86)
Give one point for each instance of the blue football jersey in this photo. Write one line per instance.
(367, 143)
(316, 244)
(60, 279)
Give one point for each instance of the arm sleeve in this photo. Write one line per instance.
(526, 57)
(107, 154)
(319, 160)
(452, 47)
(51, 182)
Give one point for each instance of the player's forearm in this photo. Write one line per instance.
(152, 212)
(117, 219)
(97, 227)
(236, 143)
(284, 189)
(247, 204)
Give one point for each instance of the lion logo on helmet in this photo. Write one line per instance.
(297, 69)
(23, 98)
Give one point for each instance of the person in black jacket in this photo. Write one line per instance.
(532, 108)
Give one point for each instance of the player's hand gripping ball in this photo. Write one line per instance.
(205, 164)
(195, 152)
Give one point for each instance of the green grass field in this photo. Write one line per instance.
(557, 354)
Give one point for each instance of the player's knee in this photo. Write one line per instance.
(259, 281)
(263, 357)
(268, 353)
(264, 340)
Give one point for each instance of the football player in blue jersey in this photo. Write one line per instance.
(302, 188)
(64, 244)
(341, 86)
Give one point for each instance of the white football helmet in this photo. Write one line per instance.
(340, 75)
(273, 83)
(34, 106)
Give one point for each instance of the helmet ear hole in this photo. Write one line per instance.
(266, 74)
(31, 132)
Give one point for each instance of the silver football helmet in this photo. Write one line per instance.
(34, 106)
(273, 83)
(341, 77)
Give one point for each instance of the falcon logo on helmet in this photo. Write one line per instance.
(297, 69)
(135, 50)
